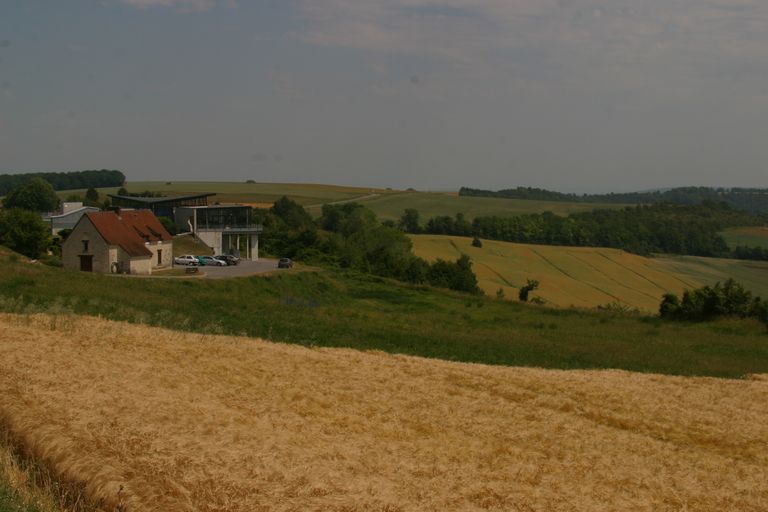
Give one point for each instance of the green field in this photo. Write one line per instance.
(337, 308)
(430, 204)
(386, 203)
(752, 274)
(588, 276)
(755, 236)
(240, 192)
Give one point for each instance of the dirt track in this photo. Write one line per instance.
(212, 423)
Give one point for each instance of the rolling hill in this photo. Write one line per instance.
(386, 203)
(588, 276)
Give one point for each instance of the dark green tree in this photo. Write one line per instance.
(24, 231)
(36, 195)
(409, 221)
(92, 197)
(530, 285)
(169, 225)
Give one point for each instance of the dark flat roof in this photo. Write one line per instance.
(156, 200)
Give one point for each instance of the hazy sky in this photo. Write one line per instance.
(433, 94)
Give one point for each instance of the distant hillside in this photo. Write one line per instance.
(749, 199)
(588, 276)
(65, 180)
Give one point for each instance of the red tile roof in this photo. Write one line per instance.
(130, 230)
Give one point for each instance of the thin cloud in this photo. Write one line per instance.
(561, 33)
(181, 5)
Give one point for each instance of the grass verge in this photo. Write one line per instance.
(334, 308)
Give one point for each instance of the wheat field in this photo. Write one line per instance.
(569, 276)
(148, 419)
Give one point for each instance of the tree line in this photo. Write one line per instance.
(350, 236)
(64, 180)
(749, 199)
(729, 299)
(644, 229)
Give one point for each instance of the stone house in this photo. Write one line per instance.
(124, 242)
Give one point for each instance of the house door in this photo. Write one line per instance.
(86, 263)
(159, 256)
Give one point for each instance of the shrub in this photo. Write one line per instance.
(710, 302)
(530, 285)
(476, 242)
(24, 231)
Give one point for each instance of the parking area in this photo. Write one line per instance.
(244, 269)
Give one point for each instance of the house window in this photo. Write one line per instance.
(85, 245)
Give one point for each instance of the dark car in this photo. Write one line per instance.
(285, 263)
(228, 258)
(211, 261)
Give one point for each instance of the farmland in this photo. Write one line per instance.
(205, 422)
(753, 274)
(259, 194)
(588, 276)
(386, 203)
(338, 308)
(756, 236)
(578, 276)
(430, 204)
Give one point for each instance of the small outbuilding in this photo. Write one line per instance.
(122, 242)
(67, 217)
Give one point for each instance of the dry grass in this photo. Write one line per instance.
(36, 489)
(188, 422)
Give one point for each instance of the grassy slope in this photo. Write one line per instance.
(750, 236)
(387, 204)
(306, 194)
(186, 422)
(333, 308)
(753, 274)
(580, 276)
(430, 204)
(187, 244)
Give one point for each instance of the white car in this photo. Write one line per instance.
(187, 259)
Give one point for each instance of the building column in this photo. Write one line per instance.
(254, 242)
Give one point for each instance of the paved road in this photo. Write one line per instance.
(245, 268)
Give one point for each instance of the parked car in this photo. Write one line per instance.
(285, 263)
(211, 261)
(228, 259)
(186, 259)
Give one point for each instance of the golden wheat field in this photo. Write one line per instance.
(188, 422)
(569, 276)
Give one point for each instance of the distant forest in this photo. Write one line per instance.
(749, 199)
(65, 180)
(644, 229)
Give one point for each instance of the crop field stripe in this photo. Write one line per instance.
(453, 243)
(630, 269)
(601, 272)
(577, 280)
(493, 271)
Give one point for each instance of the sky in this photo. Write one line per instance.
(572, 95)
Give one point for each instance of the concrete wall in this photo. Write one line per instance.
(72, 248)
(212, 239)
